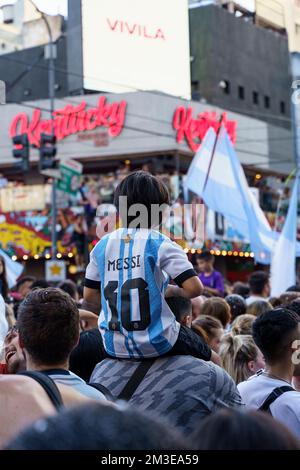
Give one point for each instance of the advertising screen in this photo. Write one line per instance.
(131, 45)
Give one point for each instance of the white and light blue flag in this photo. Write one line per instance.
(283, 266)
(228, 193)
(13, 269)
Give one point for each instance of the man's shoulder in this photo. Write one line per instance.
(287, 407)
(249, 383)
(290, 399)
(74, 381)
(183, 363)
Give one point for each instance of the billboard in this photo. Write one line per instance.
(22, 198)
(131, 45)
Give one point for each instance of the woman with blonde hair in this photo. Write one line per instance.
(240, 356)
(242, 325)
(259, 307)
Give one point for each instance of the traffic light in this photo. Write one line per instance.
(21, 150)
(47, 151)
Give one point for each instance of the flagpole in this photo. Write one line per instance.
(213, 152)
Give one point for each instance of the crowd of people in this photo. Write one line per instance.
(151, 354)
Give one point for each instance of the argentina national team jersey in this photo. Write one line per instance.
(132, 268)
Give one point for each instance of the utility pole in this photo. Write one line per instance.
(51, 80)
(50, 55)
(2, 92)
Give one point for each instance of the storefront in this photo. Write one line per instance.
(110, 135)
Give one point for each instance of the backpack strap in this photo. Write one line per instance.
(277, 392)
(136, 379)
(103, 390)
(48, 385)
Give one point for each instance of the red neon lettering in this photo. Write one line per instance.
(146, 35)
(135, 29)
(19, 124)
(130, 30)
(71, 120)
(91, 119)
(112, 26)
(160, 35)
(194, 130)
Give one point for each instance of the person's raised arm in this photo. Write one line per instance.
(92, 287)
(190, 288)
(91, 300)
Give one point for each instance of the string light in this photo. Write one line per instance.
(25, 257)
(193, 251)
(247, 255)
(212, 252)
(199, 251)
(241, 254)
(251, 255)
(47, 256)
(70, 255)
(186, 250)
(224, 253)
(218, 252)
(235, 253)
(229, 253)
(14, 258)
(36, 257)
(73, 269)
(59, 255)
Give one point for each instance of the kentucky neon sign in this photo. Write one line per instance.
(71, 120)
(193, 130)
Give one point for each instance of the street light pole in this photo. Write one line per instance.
(51, 83)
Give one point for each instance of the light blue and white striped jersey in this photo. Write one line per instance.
(132, 267)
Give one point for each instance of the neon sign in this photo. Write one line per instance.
(193, 130)
(71, 120)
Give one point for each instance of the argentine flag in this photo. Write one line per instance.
(283, 269)
(228, 193)
(13, 269)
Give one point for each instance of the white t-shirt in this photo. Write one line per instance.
(3, 323)
(285, 408)
(255, 298)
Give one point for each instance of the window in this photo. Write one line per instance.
(282, 107)
(241, 91)
(297, 28)
(267, 102)
(255, 97)
(225, 85)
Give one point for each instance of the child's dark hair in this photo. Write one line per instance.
(273, 331)
(141, 187)
(206, 256)
(180, 306)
